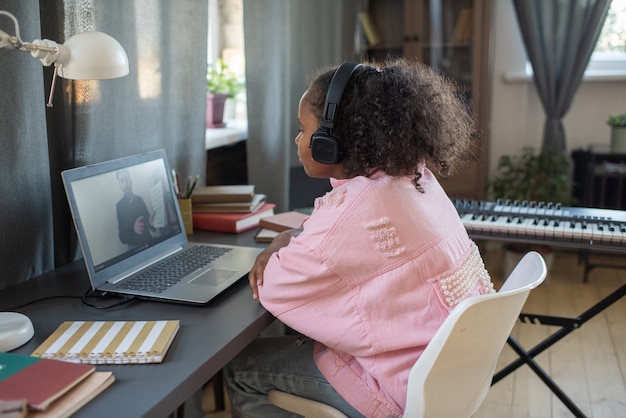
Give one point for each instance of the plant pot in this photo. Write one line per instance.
(215, 110)
(513, 254)
(618, 139)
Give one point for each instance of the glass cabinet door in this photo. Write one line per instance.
(452, 36)
(440, 33)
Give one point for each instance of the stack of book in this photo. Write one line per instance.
(32, 386)
(275, 224)
(60, 376)
(229, 208)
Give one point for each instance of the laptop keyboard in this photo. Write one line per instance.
(171, 271)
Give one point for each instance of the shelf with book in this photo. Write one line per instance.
(453, 36)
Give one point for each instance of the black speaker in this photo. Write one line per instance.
(326, 147)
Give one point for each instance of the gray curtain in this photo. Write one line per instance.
(559, 36)
(26, 231)
(160, 104)
(286, 40)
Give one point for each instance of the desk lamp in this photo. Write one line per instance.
(84, 56)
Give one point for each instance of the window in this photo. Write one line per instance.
(225, 42)
(609, 56)
(607, 62)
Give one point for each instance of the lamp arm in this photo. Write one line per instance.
(48, 52)
(5, 39)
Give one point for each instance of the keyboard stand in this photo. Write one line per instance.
(567, 326)
(584, 257)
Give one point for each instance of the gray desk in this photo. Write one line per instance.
(208, 338)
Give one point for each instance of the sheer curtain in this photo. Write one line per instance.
(160, 104)
(559, 37)
(285, 40)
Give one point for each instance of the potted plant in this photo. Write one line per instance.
(222, 83)
(617, 122)
(530, 176)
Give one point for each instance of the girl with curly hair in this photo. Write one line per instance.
(383, 258)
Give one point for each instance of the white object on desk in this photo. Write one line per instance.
(16, 330)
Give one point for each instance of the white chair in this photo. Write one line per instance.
(453, 375)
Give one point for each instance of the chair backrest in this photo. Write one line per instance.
(453, 375)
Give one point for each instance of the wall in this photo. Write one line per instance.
(517, 115)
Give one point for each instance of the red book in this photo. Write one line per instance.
(39, 381)
(231, 222)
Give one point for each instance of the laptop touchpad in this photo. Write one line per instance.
(214, 277)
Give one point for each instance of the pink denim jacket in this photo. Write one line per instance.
(373, 275)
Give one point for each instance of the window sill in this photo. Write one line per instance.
(520, 77)
(236, 130)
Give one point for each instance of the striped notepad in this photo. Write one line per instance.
(110, 342)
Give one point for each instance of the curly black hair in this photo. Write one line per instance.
(395, 115)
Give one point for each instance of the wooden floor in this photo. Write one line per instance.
(589, 364)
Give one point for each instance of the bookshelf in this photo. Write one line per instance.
(453, 36)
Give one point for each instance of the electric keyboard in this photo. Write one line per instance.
(544, 223)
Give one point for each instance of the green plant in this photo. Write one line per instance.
(530, 176)
(221, 79)
(617, 120)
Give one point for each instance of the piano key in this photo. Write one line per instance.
(600, 233)
(551, 229)
(470, 222)
(526, 228)
(501, 225)
(617, 237)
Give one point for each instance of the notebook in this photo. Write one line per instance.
(129, 225)
(109, 342)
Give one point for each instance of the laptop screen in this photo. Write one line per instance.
(122, 208)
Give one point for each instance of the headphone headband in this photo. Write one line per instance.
(335, 91)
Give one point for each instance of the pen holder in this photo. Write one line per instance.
(185, 211)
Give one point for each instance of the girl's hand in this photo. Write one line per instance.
(255, 278)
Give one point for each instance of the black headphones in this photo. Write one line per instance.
(326, 147)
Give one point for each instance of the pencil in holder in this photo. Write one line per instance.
(185, 211)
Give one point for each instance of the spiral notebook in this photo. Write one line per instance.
(110, 342)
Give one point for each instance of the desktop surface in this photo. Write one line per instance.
(209, 336)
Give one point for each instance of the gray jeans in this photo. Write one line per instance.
(284, 363)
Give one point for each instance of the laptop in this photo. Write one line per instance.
(129, 225)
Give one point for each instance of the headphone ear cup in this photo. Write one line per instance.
(325, 147)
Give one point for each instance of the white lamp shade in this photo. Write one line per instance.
(93, 56)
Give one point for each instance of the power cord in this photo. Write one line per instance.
(119, 301)
(16, 307)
